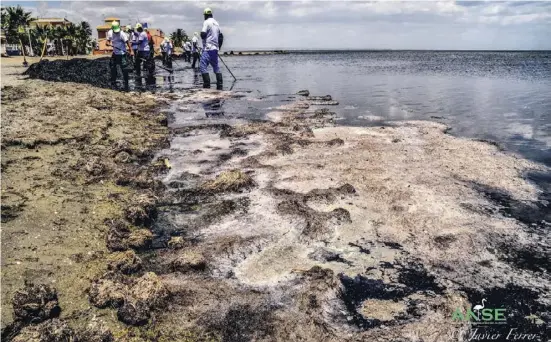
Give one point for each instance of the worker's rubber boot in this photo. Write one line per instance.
(125, 77)
(206, 80)
(219, 82)
(113, 68)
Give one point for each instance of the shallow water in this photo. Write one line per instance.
(500, 96)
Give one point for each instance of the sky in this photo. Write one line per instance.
(385, 24)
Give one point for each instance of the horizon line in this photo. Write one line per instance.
(367, 49)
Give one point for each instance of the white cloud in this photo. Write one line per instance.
(337, 24)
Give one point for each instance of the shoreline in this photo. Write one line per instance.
(74, 158)
(290, 228)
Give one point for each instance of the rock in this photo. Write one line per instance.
(189, 261)
(324, 255)
(122, 145)
(140, 239)
(142, 209)
(146, 293)
(346, 189)
(176, 242)
(162, 119)
(134, 313)
(121, 236)
(54, 330)
(324, 103)
(105, 292)
(335, 142)
(126, 262)
(320, 98)
(116, 238)
(303, 93)
(95, 167)
(35, 303)
(150, 289)
(233, 180)
(123, 157)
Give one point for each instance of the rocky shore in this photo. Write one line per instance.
(286, 229)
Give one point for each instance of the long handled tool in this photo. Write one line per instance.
(160, 66)
(143, 60)
(231, 73)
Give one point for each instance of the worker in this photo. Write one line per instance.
(212, 41)
(119, 41)
(134, 42)
(187, 51)
(151, 43)
(143, 53)
(169, 49)
(166, 50)
(51, 49)
(195, 48)
(163, 50)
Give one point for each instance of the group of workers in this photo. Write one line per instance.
(137, 44)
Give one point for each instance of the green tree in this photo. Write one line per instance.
(83, 37)
(178, 37)
(15, 21)
(39, 35)
(69, 38)
(59, 33)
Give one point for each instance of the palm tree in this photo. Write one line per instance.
(59, 33)
(15, 20)
(178, 37)
(69, 37)
(5, 19)
(83, 37)
(39, 35)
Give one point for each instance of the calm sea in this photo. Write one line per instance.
(500, 96)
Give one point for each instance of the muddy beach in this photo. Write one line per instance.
(285, 229)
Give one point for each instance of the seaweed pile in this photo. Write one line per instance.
(80, 70)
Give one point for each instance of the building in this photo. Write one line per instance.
(102, 47)
(53, 22)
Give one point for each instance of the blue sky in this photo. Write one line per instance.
(334, 24)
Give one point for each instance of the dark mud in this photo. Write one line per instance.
(524, 312)
(94, 72)
(243, 323)
(535, 213)
(533, 255)
(412, 278)
(163, 273)
(31, 305)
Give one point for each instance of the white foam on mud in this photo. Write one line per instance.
(371, 117)
(195, 153)
(409, 182)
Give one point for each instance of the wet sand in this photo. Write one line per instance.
(73, 158)
(290, 229)
(400, 224)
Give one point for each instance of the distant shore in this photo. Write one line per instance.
(255, 53)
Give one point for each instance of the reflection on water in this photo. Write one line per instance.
(502, 96)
